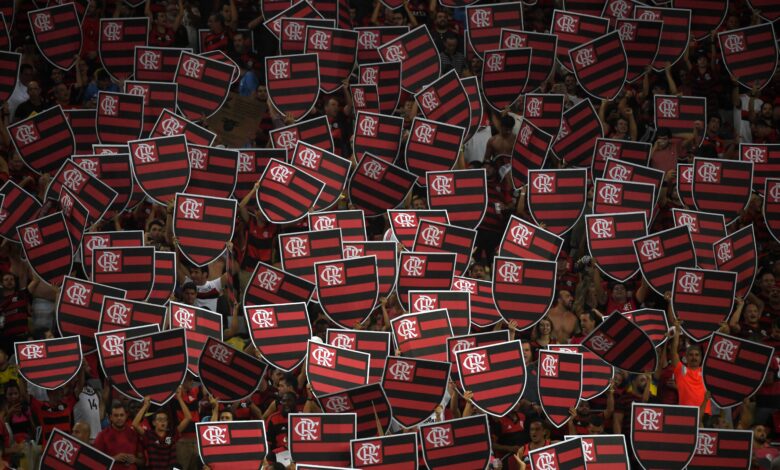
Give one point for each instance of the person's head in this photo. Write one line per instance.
(418, 203)
(767, 110)
(621, 125)
(276, 376)
(398, 17)
(751, 314)
(571, 83)
(528, 354)
(331, 107)
(478, 271)
(732, 22)
(775, 330)
(62, 93)
(13, 394)
(596, 425)
(199, 274)
(544, 327)
(713, 124)
(639, 382)
(216, 23)
(156, 230)
(288, 403)
(261, 93)
(507, 124)
(702, 61)
(565, 299)
(102, 79)
(118, 416)
(537, 431)
(693, 356)
(442, 20)
(239, 42)
(160, 421)
(287, 384)
(588, 321)
(663, 137)
(226, 415)
(450, 42)
(160, 18)
(81, 431)
(619, 292)
(766, 281)
(189, 293)
(10, 282)
(56, 76)
(26, 74)
(760, 433)
(34, 90)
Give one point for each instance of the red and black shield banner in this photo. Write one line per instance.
(371, 37)
(286, 193)
(605, 451)
(706, 229)
(128, 268)
(116, 44)
(110, 350)
(484, 24)
(661, 252)
(766, 162)
(82, 124)
(563, 455)
(387, 264)
(556, 198)
(432, 146)
(504, 76)
(418, 56)
(430, 271)
(457, 303)
(118, 313)
(114, 171)
(120, 117)
(203, 226)
(203, 85)
(544, 111)
(600, 66)
(375, 343)
(321, 439)
(679, 113)
(706, 16)
(422, 335)
(722, 186)
(47, 247)
(43, 141)
(280, 332)
(49, 363)
(157, 96)
(9, 73)
(771, 207)
(640, 42)
(232, 444)
(325, 166)
(613, 196)
(414, 387)
(610, 240)
(351, 222)
(92, 240)
(337, 50)
(652, 321)
(542, 58)
(227, 373)
(596, 373)
(314, 131)
(164, 277)
(293, 83)
(213, 171)
(298, 10)
(271, 8)
(560, 384)
(404, 223)
(161, 166)
(617, 170)
(622, 344)
(156, 364)
(199, 324)
(299, 251)
(445, 100)
(379, 135)
(702, 300)
(462, 442)
(734, 368)
(684, 184)
(292, 33)
(574, 29)
(525, 240)
(387, 78)
(457, 344)
(580, 127)
(75, 214)
(663, 436)
(364, 97)
(368, 402)
(57, 33)
(675, 32)
(737, 252)
(17, 206)
(78, 309)
(156, 64)
(495, 374)
(271, 285)
(170, 124)
(96, 196)
(434, 237)
(376, 185)
(523, 289)
(347, 289)
(532, 146)
(64, 451)
(471, 85)
(463, 193)
(722, 448)
(251, 163)
(741, 50)
(483, 308)
(392, 452)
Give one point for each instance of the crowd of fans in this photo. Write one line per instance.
(140, 436)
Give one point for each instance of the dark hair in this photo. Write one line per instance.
(203, 269)
(157, 222)
(116, 404)
(450, 35)
(596, 420)
(290, 379)
(189, 285)
(663, 132)
(507, 121)
(102, 75)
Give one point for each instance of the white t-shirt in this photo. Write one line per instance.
(87, 409)
(208, 293)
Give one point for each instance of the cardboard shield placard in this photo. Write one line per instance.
(377, 186)
(236, 444)
(164, 277)
(722, 448)
(404, 223)
(128, 268)
(325, 166)
(737, 252)
(119, 313)
(675, 32)
(456, 303)
(580, 128)
(463, 193)
(573, 29)
(393, 452)
(227, 373)
(43, 141)
(663, 436)
(483, 308)
(740, 48)
(251, 163)
(49, 363)
(213, 171)
(286, 193)
(375, 343)
(505, 75)
(523, 289)
(564, 455)
(560, 384)
(640, 42)
(161, 166)
(110, 350)
(9, 73)
(457, 442)
(556, 198)
(422, 335)
(279, 332)
(199, 324)
(484, 23)
(79, 309)
(445, 100)
(314, 131)
(414, 387)
(622, 344)
(771, 207)
(432, 271)
(722, 186)
(57, 33)
(321, 439)
(706, 16)
(378, 134)
(419, 58)
(596, 373)
(368, 402)
(734, 368)
(544, 110)
(432, 146)
(542, 58)
(114, 171)
(460, 343)
(766, 162)
(75, 214)
(347, 289)
(387, 263)
(495, 374)
(120, 117)
(652, 321)
(170, 124)
(156, 64)
(94, 194)
(47, 247)
(156, 364)
(351, 222)
(523, 239)
(16, 207)
(702, 300)
(92, 240)
(298, 10)
(435, 237)
(387, 78)
(82, 123)
(65, 451)
(117, 42)
(601, 66)
(301, 250)
(203, 85)
(203, 226)
(293, 83)
(292, 32)
(273, 285)
(679, 113)
(706, 228)
(371, 37)
(532, 146)
(661, 252)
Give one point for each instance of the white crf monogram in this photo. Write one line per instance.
(442, 185)
(401, 371)
(668, 108)
(43, 22)
(368, 39)
(184, 318)
(368, 75)
(708, 172)
(192, 67)
(144, 153)
(463, 344)
(281, 174)
(320, 40)
(649, 420)
(96, 242)
(89, 165)
(619, 9)
(112, 31)
(295, 247)
(395, 53)
(359, 98)
(138, 90)
(197, 158)
(112, 344)
(521, 235)
(405, 220)
(600, 343)
(117, 313)
(545, 461)
(323, 357)
(325, 222)
(464, 285)
(495, 62)
(601, 228)
(368, 454)
(279, 68)
(734, 43)
(584, 57)
(480, 18)
(755, 154)
(432, 235)
(688, 220)
(424, 303)
(474, 362)
(332, 275)
(73, 178)
(25, 134)
(543, 183)
(650, 249)
(286, 140)
(533, 108)
(337, 404)
(343, 341)
(525, 134)
(32, 236)
(109, 105)
(774, 192)
(351, 251)
(725, 350)
(171, 126)
(308, 158)
(627, 31)
(687, 174)
(190, 208)
(413, 266)
(220, 353)
(619, 173)
(245, 162)
(587, 450)
(424, 133)
(690, 282)
(550, 365)
(510, 272)
(215, 435)
(307, 429)
(649, 15)
(705, 444)
(373, 169)
(429, 100)
(566, 24)
(64, 450)
(407, 329)
(609, 194)
(77, 294)
(368, 126)
(150, 60)
(515, 41)
(263, 318)
(439, 437)
(724, 252)
(294, 32)
(32, 351)
(139, 350)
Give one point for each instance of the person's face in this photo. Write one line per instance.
(593, 429)
(418, 203)
(478, 271)
(751, 313)
(9, 282)
(441, 20)
(288, 404)
(570, 82)
(702, 61)
(536, 432)
(189, 296)
(397, 19)
(451, 45)
(103, 84)
(261, 93)
(713, 125)
(161, 422)
(767, 110)
(332, 108)
(732, 22)
(565, 299)
(118, 417)
(619, 293)
(622, 126)
(226, 13)
(238, 43)
(81, 432)
(56, 76)
(34, 90)
(198, 276)
(586, 322)
(161, 18)
(62, 92)
(527, 353)
(155, 232)
(640, 382)
(775, 332)
(214, 25)
(545, 327)
(12, 395)
(693, 357)
(284, 387)
(663, 142)
(759, 434)
(226, 416)
(276, 377)
(26, 76)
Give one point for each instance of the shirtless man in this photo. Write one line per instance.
(503, 142)
(562, 316)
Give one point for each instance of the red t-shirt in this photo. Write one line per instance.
(113, 441)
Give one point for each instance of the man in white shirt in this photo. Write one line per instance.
(19, 95)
